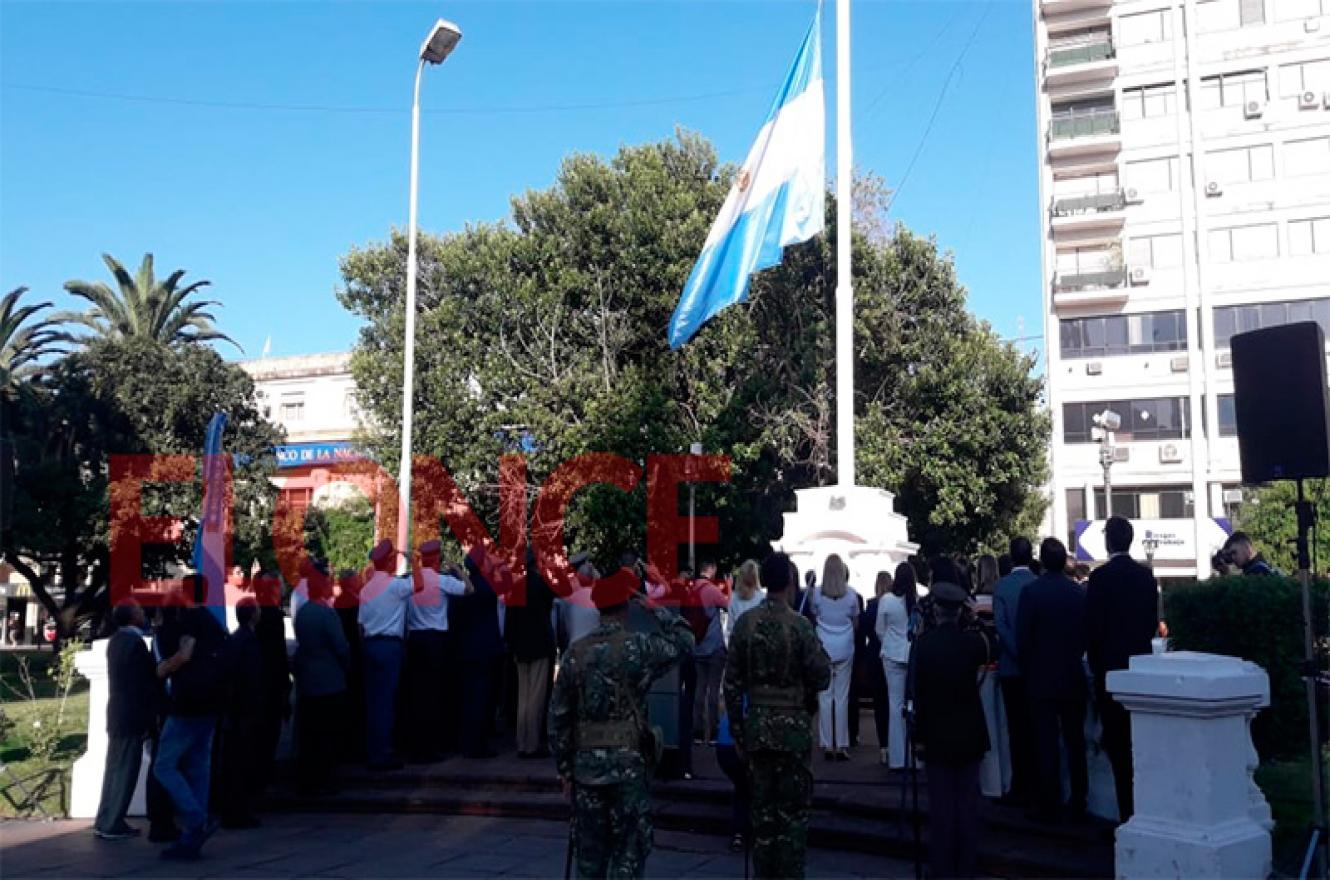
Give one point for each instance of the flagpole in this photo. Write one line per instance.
(844, 291)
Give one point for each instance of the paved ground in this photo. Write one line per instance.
(378, 846)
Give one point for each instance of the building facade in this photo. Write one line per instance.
(1184, 156)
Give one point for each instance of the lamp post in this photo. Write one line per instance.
(694, 449)
(442, 39)
(1150, 545)
(1106, 423)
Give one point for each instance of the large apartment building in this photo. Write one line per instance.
(1185, 192)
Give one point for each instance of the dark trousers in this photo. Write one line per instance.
(1116, 722)
(383, 669)
(741, 815)
(877, 682)
(320, 723)
(124, 757)
(706, 695)
(161, 812)
(1020, 738)
(953, 818)
(1064, 721)
(450, 696)
(242, 759)
(477, 707)
(687, 694)
(423, 697)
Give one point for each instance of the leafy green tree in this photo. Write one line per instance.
(546, 334)
(1267, 515)
(342, 534)
(128, 396)
(143, 307)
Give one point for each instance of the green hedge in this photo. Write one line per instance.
(1257, 619)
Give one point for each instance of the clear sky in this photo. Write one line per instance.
(254, 143)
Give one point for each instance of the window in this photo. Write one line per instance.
(1163, 418)
(1103, 183)
(1291, 10)
(1143, 28)
(1251, 12)
(1241, 165)
(1156, 175)
(1309, 237)
(1307, 157)
(1079, 261)
(1123, 334)
(297, 499)
(1163, 502)
(292, 407)
(1216, 15)
(1228, 416)
(1232, 89)
(1240, 244)
(1156, 251)
(1294, 79)
(1149, 102)
(1239, 319)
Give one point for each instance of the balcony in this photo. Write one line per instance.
(1060, 7)
(1100, 211)
(1091, 286)
(1085, 62)
(1082, 133)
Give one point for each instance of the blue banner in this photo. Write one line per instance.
(306, 454)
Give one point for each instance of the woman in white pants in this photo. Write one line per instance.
(894, 611)
(836, 610)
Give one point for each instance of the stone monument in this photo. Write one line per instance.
(858, 523)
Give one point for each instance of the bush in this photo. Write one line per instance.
(1258, 619)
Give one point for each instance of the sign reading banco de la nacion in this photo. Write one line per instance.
(304, 454)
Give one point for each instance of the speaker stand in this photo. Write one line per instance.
(1317, 849)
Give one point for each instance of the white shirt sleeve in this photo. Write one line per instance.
(451, 585)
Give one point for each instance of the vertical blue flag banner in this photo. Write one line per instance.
(210, 543)
(778, 197)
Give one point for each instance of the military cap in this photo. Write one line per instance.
(948, 593)
(431, 548)
(577, 559)
(381, 551)
(609, 595)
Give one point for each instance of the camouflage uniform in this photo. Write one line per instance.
(776, 668)
(600, 739)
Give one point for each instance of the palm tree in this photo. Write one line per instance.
(24, 343)
(144, 307)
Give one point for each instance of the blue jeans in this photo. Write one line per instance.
(383, 668)
(183, 765)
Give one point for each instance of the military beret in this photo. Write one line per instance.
(431, 548)
(381, 551)
(609, 594)
(577, 559)
(948, 592)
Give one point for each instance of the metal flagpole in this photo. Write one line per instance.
(409, 348)
(844, 291)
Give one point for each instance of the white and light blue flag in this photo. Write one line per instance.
(778, 197)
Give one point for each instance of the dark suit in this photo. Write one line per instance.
(1050, 638)
(1122, 611)
(276, 690)
(950, 727)
(130, 716)
(242, 758)
(868, 651)
(474, 622)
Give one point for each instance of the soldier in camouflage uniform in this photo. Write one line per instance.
(602, 746)
(776, 668)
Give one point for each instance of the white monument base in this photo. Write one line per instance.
(858, 523)
(1199, 813)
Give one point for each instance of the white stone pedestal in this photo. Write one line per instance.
(86, 787)
(1198, 811)
(859, 523)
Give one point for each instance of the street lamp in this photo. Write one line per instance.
(1106, 423)
(1150, 545)
(442, 39)
(694, 449)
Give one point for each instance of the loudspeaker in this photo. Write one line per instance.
(1281, 402)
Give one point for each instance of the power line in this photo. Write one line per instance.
(937, 106)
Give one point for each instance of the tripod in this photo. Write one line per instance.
(1316, 844)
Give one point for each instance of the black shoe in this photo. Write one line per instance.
(541, 752)
(163, 835)
(483, 756)
(737, 843)
(125, 833)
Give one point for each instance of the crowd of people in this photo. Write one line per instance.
(390, 667)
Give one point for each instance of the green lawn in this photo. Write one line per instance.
(46, 781)
(1288, 787)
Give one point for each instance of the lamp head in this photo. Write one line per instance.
(1108, 420)
(442, 39)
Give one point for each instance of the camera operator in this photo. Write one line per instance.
(950, 733)
(1239, 553)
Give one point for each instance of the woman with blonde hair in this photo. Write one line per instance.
(836, 611)
(747, 595)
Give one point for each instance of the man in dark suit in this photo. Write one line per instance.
(241, 724)
(1015, 694)
(949, 726)
(270, 632)
(474, 621)
(130, 714)
(1050, 641)
(1122, 613)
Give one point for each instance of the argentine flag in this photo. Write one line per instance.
(778, 197)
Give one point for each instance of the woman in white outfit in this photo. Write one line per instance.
(836, 610)
(747, 595)
(894, 611)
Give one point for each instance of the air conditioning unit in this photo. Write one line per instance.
(1121, 454)
(1178, 364)
(1224, 359)
(1253, 109)
(1140, 274)
(1170, 453)
(1309, 100)
(1311, 25)
(1132, 196)
(1213, 189)
(1232, 496)
(1094, 368)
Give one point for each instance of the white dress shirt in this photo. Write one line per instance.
(429, 607)
(383, 604)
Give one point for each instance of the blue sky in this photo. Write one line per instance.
(254, 143)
